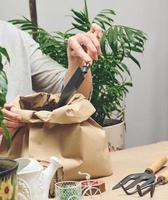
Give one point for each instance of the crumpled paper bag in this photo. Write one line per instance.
(68, 132)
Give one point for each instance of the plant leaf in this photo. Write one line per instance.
(4, 52)
(6, 134)
(134, 60)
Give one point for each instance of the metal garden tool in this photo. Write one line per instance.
(146, 178)
(73, 85)
(161, 180)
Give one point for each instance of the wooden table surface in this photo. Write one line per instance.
(134, 160)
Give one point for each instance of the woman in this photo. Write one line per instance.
(30, 70)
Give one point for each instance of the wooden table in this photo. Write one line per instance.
(134, 160)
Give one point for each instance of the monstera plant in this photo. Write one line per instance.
(111, 73)
(3, 91)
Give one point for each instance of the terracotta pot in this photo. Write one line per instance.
(116, 136)
(8, 179)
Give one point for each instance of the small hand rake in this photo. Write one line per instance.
(146, 178)
(161, 180)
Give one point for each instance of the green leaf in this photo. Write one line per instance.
(102, 21)
(79, 15)
(28, 27)
(112, 38)
(124, 66)
(100, 15)
(103, 44)
(3, 83)
(1, 65)
(79, 20)
(80, 27)
(86, 9)
(134, 60)
(128, 84)
(4, 52)
(6, 134)
(136, 49)
(101, 24)
(108, 11)
(1, 116)
(18, 21)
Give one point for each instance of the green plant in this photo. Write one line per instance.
(3, 91)
(111, 74)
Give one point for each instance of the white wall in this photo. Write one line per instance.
(147, 107)
(14, 9)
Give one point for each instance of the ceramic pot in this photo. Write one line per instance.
(8, 179)
(115, 136)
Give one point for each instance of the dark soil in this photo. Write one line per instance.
(110, 122)
(48, 107)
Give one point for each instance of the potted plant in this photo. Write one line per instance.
(111, 74)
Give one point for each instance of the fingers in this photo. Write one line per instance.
(12, 116)
(12, 124)
(76, 49)
(95, 42)
(97, 30)
(12, 120)
(85, 46)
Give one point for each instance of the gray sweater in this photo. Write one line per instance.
(29, 70)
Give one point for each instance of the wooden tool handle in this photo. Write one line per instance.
(158, 164)
(163, 178)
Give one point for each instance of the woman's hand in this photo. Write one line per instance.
(12, 120)
(84, 47)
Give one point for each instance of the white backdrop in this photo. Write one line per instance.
(147, 104)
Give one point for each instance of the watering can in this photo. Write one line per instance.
(33, 179)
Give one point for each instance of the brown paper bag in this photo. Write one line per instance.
(67, 132)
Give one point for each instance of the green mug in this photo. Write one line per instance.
(8, 179)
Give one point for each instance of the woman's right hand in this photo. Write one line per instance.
(12, 120)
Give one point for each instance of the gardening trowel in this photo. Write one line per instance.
(73, 85)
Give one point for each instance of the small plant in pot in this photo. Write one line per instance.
(111, 73)
(8, 178)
